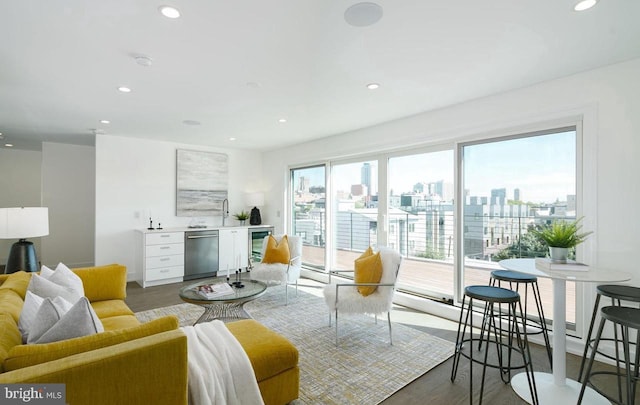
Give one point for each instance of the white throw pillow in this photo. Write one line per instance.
(45, 272)
(46, 288)
(30, 308)
(51, 325)
(65, 277)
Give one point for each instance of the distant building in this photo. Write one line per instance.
(369, 177)
(498, 196)
(358, 190)
(516, 194)
(303, 184)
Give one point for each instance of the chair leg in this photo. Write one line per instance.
(336, 326)
(585, 378)
(588, 341)
(390, 336)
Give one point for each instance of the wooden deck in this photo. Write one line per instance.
(435, 278)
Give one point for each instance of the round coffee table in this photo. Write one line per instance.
(228, 307)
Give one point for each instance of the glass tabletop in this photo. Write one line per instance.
(251, 289)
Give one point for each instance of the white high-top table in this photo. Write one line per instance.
(556, 388)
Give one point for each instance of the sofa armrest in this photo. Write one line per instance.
(103, 283)
(149, 370)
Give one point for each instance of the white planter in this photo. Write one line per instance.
(558, 255)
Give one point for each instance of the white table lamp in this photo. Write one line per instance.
(22, 223)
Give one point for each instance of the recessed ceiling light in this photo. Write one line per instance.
(191, 122)
(8, 145)
(124, 89)
(584, 5)
(373, 86)
(363, 14)
(143, 60)
(105, 122)
(169, 12)
(232, 139)
(282, 120)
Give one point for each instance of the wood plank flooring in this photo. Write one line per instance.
(434, 387)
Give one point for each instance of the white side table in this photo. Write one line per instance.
(556, 388)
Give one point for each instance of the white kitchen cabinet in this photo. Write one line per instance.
(160, 258)
(234, 250)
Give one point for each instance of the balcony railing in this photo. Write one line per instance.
(426, 240)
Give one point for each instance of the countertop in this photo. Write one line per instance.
(208, 228)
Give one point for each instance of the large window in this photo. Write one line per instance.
(420, 207)
(308, 213)
(355, 211)
(510, 185)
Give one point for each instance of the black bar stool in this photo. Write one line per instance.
(617, 293)
(516, 278)
(493, 334)
(626, 318)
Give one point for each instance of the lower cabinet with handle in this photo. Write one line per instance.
(160, 258)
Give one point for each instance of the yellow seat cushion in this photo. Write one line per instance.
(27, 355)
(368, 269)
(119, 322)
(109, 308)
(18, 282)
(277, 252)
(269, 352)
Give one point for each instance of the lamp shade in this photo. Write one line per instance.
(24, 222)
(255, 199)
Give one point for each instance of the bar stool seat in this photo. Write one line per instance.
(626, 318)
(617, 293)
(506, 341)
(515, 279)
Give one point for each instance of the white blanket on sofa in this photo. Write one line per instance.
(219, 370)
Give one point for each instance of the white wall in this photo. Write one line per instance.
(135, 176)
(68, 190)
(20, 184)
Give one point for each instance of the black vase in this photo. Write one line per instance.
(255, 219)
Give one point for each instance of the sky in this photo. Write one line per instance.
(542, 167)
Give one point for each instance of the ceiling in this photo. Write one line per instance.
(239, 66)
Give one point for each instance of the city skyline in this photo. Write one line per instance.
(542, 168)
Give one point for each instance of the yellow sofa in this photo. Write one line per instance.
(129, 363)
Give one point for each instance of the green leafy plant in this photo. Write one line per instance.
(562, 234)
(241, 216)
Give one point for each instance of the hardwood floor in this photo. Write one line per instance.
(434, 387)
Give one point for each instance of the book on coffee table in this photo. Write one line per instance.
(545, 264)
(214, 290)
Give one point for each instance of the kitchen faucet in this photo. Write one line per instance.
(225, 210)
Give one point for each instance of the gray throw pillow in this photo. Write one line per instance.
(80, 320)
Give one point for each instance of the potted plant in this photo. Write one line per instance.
(241, 216)
(560, 236)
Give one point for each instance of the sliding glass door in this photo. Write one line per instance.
(355, 211)
(421, 227)
(511, 185)
(308, 216)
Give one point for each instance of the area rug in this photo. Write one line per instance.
(362, 369)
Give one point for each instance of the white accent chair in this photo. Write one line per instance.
(345, 298)
(279, 273)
